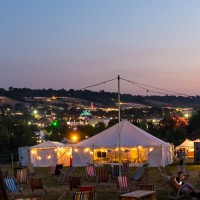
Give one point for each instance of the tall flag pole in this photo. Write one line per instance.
(119, 137)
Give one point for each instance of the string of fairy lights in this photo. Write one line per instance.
(145, 87)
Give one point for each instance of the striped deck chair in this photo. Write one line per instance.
(115, 171)
(37, 183)
(103, 176)
(74, 182)
(140, 175)
(90, 172)
(125, 168)
(85, 195)
(55, 170)
(12, 186)
(123, 183)
(65, 175)
(22, 177)
(51, 170)
(81, 195)
(31, 169)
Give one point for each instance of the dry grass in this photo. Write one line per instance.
(55, 188)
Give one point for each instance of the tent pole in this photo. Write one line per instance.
(119, 138)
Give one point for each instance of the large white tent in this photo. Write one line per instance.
(50, 153)
(137, 146)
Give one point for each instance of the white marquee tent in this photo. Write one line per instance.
(50, 153)
(137, 146)
(188, 147)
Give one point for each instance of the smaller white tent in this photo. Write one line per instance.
(137, 146)
(50, 153)
(188, 147)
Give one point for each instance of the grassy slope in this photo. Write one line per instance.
(55, 188)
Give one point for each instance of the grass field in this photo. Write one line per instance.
(104, 192)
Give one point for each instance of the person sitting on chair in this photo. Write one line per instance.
(187, 187)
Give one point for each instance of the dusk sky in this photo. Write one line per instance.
(73, 44)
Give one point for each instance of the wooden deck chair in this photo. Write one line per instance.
(103, 176)
(51, 170)
(22, 177)
(123, 184)
(15, 171)
(31, 169)
(108, 167)
(37, 183)
(74, 182)
(182, 168)
(140, 175)
(65, 174)
(145, 187)
(90, 189)
(81, 195)
(55, 170)
(115, 171)
(90, 172)
(3, 192)
(163, 175)
(175, 191)
(13, 187)
(125, 168)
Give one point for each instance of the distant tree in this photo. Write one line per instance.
(194, 125)
(112, 122)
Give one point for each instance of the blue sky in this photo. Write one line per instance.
(72, 44)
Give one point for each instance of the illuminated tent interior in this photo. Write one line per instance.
(50, 153)
(188, 147)
(137, 146)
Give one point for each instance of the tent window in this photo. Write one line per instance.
(101, 154)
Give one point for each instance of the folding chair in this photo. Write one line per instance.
(22, 177)
(15, 170)
(74, 182)
(125, 168)
(103, 176)
(65, 175)
(90, 172)
(37, 183)
(175, 191)
(31, 169)
(3, 192)
(76, 195)
(164, 174)
(123, 183)
(81, 195)
(55, 170)
(140, 175)
(12, 186)
(51, 170)
(115, 171)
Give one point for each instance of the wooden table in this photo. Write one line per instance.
(90, 188)
(139, 194)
